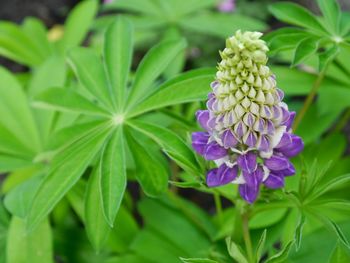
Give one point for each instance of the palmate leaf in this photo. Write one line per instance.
(118, 46)
(304, 49)
(151, 174)
(170, 142)
(235, 251)
(296, 15)
(260, 246)
(88, 68)
(198, 260)
(69, 101)
(97, 228)
(148, 7)
(112, 175)
(152, 66)
(187, 87)
(340, 254)
(65, 170)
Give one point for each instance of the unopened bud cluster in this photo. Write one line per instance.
(248, 127)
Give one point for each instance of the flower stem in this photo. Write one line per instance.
(246, 237)
(309, 99)
(343, 121)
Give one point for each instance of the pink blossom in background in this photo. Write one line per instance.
(107, 1)
(227, 6)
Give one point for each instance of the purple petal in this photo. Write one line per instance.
(221, 176)
(227, 6)
(285, 115)
(200, 141)
(287, 172)
(214, 151)
(290, 120)
(247, 162)
(277, 163)
(239, 129)
(254, 178)
(285, 140)
(264, 143)
(280, 93)
(228, 139)
(270, 127)
(203, 118)
(214, 84)
(251, 139)
(274, 181)
(293, 148)
(248, 193)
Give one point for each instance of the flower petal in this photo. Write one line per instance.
(274, 181)
(247, 162)
(200, 141)
(277, 163)
(248, 193)
(214, 151)
(228, 139)
(221, 176)
(203, 118)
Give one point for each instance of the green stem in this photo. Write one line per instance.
(309, 99)
(246, 237)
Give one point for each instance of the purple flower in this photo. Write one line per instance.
(227, 6)
(247, 125)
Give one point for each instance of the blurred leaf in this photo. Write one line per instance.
(304, 49)
(19, 199)
(66, 169)
(97, 228)
(151, 67)
(340, 234)
(15, 113)
(341, 254)
(219, 24)
(112, 175)
(267, 218)
(88, 68)
(16, 45)
(299, 232)
(297, 15)
(282, 255)
(187, 87)
(235, 251)
(76, 198)
(24, 247)
(78, 23)
(198, 260)
(151, 174)
(118, 47)
(326, 57)
(9, 163)
(331, 11)
(146, 6)
(260, 246)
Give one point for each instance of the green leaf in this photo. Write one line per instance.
(24, 247)
(191, 6)
(190, 86)
(339, 233)
(330, 186)
(296, 15)
(10, 163)
(219, 24)
(198, 260)
(235, 251)
(304, 50)
(170, 142)
(88, 68)
(97, 228)
(19, 199)
(151, 67)
(66, 169)
(76, 197)
(112, 172)
(15, 113)
(16, 45)
(118, 47)
(69, 101)
(150, 172)
(299, 232)
(282, 255)
(331, 11)
(78, 23)
(260, 247)
(266, 218)
(326, 57)
(146, 6)
(37, 33)
(341, 254)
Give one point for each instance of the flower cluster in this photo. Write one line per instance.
(248, 127)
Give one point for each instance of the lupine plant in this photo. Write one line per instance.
(112, 154)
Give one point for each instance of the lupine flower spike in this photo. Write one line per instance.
(247, 125)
